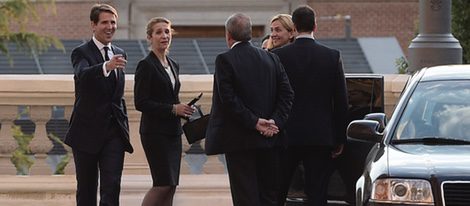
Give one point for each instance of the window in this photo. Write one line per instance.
(437, 109)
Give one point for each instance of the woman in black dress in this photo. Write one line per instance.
(156, 92)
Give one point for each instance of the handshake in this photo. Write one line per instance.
(266, 127)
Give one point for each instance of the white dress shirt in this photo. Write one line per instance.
(110, 54)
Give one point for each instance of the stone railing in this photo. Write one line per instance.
(41, 93)
(394, 85)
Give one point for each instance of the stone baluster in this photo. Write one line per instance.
(41, 144)
(196, 158)
(70, 168)
(137, 162)
(7, 143)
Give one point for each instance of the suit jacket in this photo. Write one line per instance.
(154, 96)
(95, 102)
(319, 113)
(249, 83)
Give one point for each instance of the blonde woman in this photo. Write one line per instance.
(156, 92)
(282, 30)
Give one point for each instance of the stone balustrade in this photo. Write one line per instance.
(393, 86)
(40, 93)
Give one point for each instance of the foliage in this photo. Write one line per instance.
(401, 65)
(64, 160)
(18, 14)
(20, 157)
(461, 26)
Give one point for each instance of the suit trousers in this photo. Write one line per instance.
(254, 176)
(317, 164)
(108, 164)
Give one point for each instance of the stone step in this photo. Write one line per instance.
(194, 190)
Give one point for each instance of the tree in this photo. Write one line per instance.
(461, 26)
(18, 14)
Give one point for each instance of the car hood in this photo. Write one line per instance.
(417, 160)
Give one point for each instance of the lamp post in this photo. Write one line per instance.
(435, 44)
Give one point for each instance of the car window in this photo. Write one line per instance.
(365, 95)
(437, 109)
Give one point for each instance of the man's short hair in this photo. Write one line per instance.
(304, 19)
(239, 27)
(98, 8)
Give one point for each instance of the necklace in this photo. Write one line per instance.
(165, 64)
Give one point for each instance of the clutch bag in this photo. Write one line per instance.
(195, 127)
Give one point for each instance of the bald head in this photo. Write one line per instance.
(238, 26)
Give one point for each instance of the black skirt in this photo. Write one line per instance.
(163, 154)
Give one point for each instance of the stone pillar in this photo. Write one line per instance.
(347, 27)
(435, 44)
(70, 168)
(41, 144)
(123, 8)
(7, 143)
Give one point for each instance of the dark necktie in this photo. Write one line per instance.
(106, 57)
(112, 75)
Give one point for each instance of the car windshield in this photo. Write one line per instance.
(436, 110)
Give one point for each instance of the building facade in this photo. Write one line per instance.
(205, 18)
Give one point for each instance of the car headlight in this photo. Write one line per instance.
(403, 191)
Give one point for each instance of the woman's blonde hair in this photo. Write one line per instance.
(286, 22)
(154, 21)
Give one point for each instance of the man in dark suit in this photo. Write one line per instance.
(98, 131)
(316, 128)
(250, 104)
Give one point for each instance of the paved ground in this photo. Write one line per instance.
(330, 203)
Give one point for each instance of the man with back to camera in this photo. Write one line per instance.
(98, 130)
(251, 101)
(316, 128)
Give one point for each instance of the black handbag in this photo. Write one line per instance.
(195, 126)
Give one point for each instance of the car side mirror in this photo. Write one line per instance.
(381, 118)
(365, 130)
